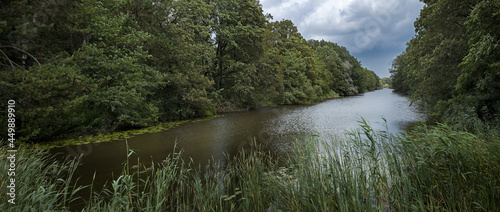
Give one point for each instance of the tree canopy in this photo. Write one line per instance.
(452, 64)
(92, 66)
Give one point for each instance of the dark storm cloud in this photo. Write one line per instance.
(374, 31)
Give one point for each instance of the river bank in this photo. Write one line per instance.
(432, 168)
(273, 128)
(126, 134)
(116, 136)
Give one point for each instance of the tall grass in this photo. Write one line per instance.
(453, 170)
(429, 169)
(41, 183)
(177, 185)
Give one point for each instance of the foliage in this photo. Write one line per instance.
(453, 170)
(89, 67)
(49, 99)
(432, 168)
(386, 82)
(480, 79)
(182, 51)
(452, 63)
(51, 190)
(238, 29)
(343, 72)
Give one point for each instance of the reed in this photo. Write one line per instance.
(432, 168)
(41, 183)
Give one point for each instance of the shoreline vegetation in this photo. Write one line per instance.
(104, 66)
(116, 136)
(125, 134)
(101, 66)
(431, 168)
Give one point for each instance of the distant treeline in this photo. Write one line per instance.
(453, 64)
(90, 66)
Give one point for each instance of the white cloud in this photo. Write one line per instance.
(359, 25)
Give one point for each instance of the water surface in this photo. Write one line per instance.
(274, 127)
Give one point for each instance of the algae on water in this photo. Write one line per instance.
(115, 136)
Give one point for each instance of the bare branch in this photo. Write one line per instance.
(6, 57)
(24, 52)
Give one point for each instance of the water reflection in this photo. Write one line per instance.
(275, 127)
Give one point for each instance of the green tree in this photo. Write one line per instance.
(95, 62)
(91, 66)
(442, 39)
(182, 50)
(451, 65)
(370, 80)
(330, 66)
(300, 82)
(348, 69)
(479, 81)
(50, 92)
(115, 59)
(386, 82)
(238, 27)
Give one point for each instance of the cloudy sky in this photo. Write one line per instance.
(374, 31)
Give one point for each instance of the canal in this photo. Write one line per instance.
(275, 128)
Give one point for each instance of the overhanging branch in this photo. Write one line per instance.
(6, 57)
(24, 52)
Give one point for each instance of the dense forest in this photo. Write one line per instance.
(452, 65)
(90, 66)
